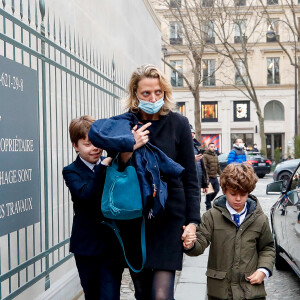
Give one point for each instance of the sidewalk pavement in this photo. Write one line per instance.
(191, 284)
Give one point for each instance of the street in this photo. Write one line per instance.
(282, 285)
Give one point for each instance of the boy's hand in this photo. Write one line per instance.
(257, 277)
(188, 237)
(107, 161)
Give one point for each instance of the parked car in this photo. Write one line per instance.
(223, 157)
(284, 170)
(260, 164)
(285, 220)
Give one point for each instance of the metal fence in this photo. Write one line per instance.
(74, 79)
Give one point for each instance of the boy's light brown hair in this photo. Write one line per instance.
(238, 178)
(79, 128)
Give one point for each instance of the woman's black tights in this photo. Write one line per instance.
(153, 284)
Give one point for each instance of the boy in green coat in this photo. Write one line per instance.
(241, 253)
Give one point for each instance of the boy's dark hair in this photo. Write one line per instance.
(238, 178)
(211, 143)
(79, 128)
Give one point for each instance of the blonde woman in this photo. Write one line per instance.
(150, 102)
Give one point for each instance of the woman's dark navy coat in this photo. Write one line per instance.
(163, 234)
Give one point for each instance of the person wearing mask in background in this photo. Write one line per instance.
(211, 162)
(200, 168)
(255, 149)
(237, 154)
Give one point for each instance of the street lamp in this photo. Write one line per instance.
(271, 34)
(165, 51)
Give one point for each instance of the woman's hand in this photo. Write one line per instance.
(140, 135)
(141, 138)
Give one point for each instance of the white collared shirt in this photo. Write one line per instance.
(243, 215)
(232, 212)
(90, 165)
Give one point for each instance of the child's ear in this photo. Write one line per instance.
(75, 147)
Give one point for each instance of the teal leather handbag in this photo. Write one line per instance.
(121, 200)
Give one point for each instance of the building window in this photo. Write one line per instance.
(180, 108)
(175, 33)
(240, 72)
(241, 111)
(207, 3)
(274, 111)
(209, 111)
(273, 24)
(240, 2)
(272, 2)
(176, 79)
(209, 68)
(175, 3)
(240, 31)
(206, 139)
(209, 32)
(273, 70)
(246, 137)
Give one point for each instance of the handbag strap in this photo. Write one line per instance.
(114, 226)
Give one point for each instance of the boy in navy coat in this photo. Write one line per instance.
(96, 250)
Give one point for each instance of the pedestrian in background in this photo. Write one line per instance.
(237, 154)
(241, 254)
(255, 149)
(200, 168)
(211, 163)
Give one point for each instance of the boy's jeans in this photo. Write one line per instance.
(211, 197)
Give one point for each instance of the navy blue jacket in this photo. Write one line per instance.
(115, 134)
(172, 135)
(89, 237)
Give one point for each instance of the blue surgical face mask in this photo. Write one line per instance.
(150, 107)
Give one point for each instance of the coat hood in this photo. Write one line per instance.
(252, 204)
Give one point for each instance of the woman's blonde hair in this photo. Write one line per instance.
(148, 71)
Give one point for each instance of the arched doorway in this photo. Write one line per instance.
(274, 111)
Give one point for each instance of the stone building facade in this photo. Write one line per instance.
(226, 112)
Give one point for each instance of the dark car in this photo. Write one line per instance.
(284, 170)
(285, 220)
(260, 164)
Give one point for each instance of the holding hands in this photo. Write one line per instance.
(189, 236)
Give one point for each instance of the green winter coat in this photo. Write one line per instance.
(211, 162)
(235, 253)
